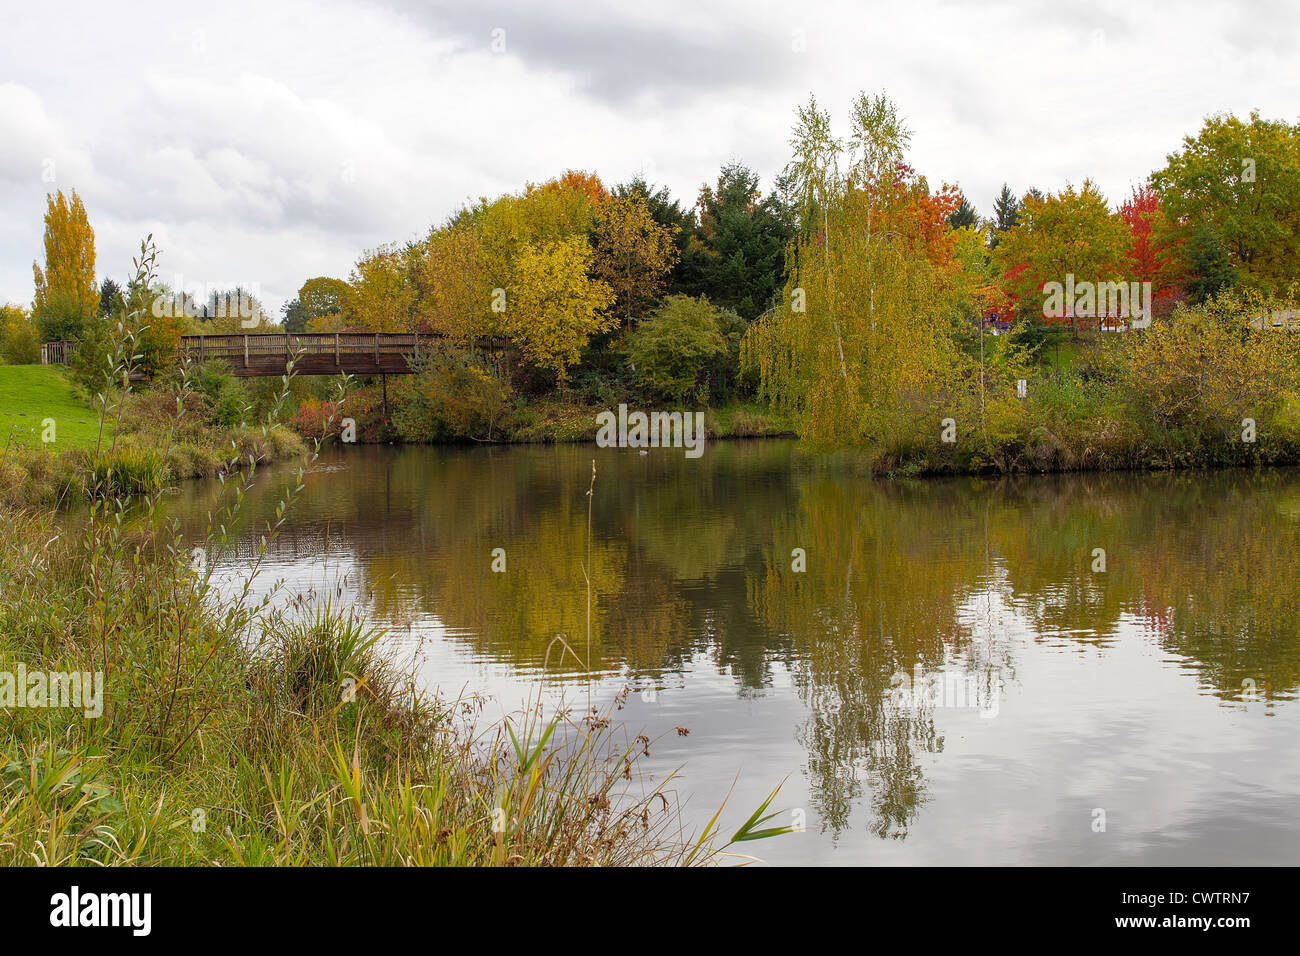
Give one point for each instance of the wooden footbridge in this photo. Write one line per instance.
(329, 353)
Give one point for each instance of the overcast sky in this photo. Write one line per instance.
(263, 143)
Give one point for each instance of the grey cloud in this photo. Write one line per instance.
(614, 60)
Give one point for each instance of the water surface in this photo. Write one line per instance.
(1045, 691)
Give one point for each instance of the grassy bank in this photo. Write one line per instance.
(554, 421)
(228, 736)
(57, 453)
(35, 397)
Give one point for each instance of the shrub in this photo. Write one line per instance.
(673, 348)
(1195, 376)
(316, 419)
(451, 395)
(227, 402)
(20, 343)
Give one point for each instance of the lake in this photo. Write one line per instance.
(1081, 669)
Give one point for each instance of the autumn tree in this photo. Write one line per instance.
(160, 327)
(66, 295)
(455, 298)
(379, 296)
(1069, 232)
(1241, 182)
(633, 253)
(553, 305)
(538, 216)
(581, 182)
(1151, 256)
(684, 277)
(974, 290)
(318, 306)
(536, 267)
(857, 332)
(322, 296)
(814, 173)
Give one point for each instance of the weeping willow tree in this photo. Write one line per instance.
(861, 334)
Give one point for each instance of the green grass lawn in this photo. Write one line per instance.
(30, 394)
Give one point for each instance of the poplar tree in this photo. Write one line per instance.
(66, 295)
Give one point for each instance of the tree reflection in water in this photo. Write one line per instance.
(692, 559)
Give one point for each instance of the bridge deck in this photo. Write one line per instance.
(329, 353)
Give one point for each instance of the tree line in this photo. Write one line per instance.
(847, 286)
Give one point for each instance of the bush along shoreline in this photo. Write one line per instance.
(1206, 386)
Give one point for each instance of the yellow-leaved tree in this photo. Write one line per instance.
(455, 297)
(66, 296)
(553, 305)
(1071, 232)
(861, 337)
(633, 253)
(20, 343)
(380, 296)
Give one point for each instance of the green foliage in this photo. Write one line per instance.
(63, 317)
(1242, 181)
(1006, 211)
(227, 402)
(126, 471)
(90, 355)
(674, 348)
(739, 258)
(1040, 336)
(1209, 267)
(20, 342)
(315, 656)
(451, 395)
(110, 297)
(964, 216)
(293, 316)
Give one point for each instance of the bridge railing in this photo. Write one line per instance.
(237, 348)
(253, 350)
